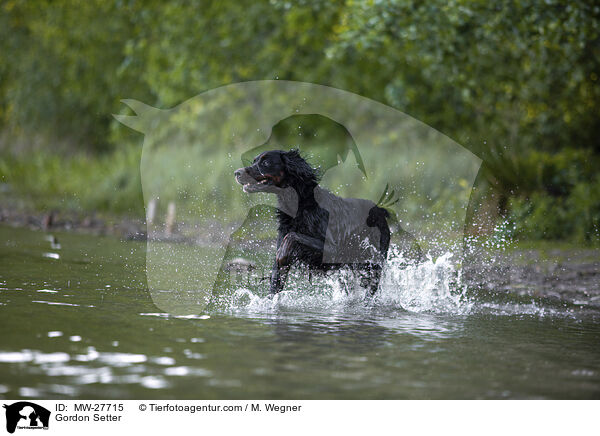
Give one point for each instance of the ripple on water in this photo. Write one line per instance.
(187, 370)
(116, 368)
(37, 357)
(154, 382)
(58, 303)
(121, 359)
(168, 315)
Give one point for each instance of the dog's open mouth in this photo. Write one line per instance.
(256, 184)
(265, 180)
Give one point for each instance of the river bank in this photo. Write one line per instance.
(558, 272)
(17, 213)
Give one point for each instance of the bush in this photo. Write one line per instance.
(81, 183)
(575, 216)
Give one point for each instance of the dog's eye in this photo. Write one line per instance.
(266, 163)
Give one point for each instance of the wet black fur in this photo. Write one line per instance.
(301, 238)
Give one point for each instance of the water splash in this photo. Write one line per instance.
(439, 286)
(433, 286)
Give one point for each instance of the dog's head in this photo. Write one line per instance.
(276, 169)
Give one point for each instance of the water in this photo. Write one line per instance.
(78, 322)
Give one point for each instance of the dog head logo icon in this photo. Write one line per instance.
(26, 415)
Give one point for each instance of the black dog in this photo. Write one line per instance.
(317, 228)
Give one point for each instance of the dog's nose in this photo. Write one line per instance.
(238, 172)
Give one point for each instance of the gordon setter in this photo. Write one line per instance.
(317, 228)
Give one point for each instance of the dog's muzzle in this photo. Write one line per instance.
(250, 183)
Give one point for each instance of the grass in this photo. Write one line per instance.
(110, 185)
(77, 183)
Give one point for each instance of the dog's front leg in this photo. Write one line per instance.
(285, 251)
(286, 255)
(374, 272)
(278, 277)
(279, 272)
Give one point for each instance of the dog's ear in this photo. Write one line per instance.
(296, 167)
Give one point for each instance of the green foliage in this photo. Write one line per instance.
(515, 81)
(514, 74)
(575, 217)
(110, 183)
(559, 196)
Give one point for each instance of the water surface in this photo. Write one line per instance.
(77, 321)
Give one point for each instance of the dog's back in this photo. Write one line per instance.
(353, 235)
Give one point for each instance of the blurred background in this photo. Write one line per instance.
(515, 82)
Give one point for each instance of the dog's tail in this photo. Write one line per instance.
(386, 201)
(387, 198)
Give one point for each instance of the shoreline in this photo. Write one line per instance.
(529, 269)
(126, 228)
